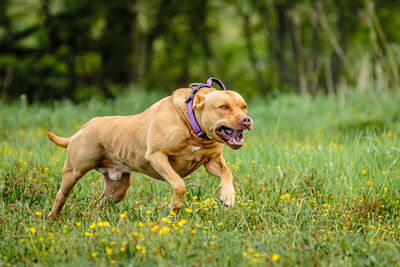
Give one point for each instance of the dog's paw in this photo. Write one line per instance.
(176, 205)
(105, 200)
(227, 194)
(53, 216)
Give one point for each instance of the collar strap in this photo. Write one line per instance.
(192, 119)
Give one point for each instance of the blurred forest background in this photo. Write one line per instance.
(77, 49)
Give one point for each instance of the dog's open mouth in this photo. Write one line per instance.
(233, 138)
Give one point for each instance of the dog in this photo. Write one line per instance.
(160, 142)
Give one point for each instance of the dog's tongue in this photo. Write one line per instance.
(233, 138)
(232, 133)
(235, 134)
(229, 131)
(236, 140)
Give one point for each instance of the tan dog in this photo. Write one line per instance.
(159, 142)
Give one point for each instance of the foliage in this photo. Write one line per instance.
(81, 48)
(316, 185)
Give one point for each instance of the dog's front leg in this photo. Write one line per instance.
(218, 168)
(159, 161)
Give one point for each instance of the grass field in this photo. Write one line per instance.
(316, 182)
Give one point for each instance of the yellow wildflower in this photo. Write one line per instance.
(276, 257)
(108, 251)
(155, 227)
(182, 222)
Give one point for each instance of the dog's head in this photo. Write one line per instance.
(223, 116)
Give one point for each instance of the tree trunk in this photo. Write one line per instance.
(281, 33)
(298, 52)
(251, 53)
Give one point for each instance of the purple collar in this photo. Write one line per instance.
(192, 119)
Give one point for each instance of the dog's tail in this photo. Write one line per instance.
(59, 141)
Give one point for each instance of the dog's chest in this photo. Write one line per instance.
(188, 160)
(195, 148)
(190, 155)
(196, 153)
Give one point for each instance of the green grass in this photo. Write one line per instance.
(316, 182)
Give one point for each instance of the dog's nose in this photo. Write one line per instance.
(246, 121)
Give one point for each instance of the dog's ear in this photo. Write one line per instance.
(199, 101)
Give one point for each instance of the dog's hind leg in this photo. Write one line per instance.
(82, 156)
(69, 178)
(115, 189)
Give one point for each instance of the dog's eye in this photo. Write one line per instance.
(244, 107)
(224, 107)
